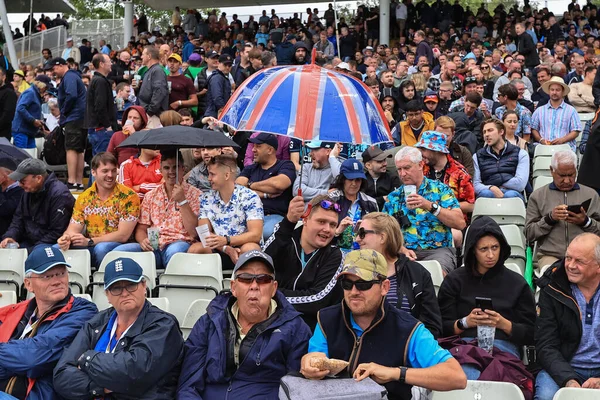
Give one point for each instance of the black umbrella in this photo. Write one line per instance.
(11, 156)
(176, 137)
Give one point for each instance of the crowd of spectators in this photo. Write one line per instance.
(324, 240)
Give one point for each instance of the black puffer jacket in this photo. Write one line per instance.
(558, 326)
(144, 365)
(510, 294)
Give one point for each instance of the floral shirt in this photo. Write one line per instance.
(457, 178)
(425, 232)
(199, 177)
(102, 217)
(159, 211)
(231, 219)
(524, 127)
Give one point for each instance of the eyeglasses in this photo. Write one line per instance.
(362, 232)
(485, 68)
(261, 279)
(360, 285)
(117, 290)
(49, 277)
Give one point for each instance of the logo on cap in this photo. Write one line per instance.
(119, 266)
(49, 252)
(355, 165)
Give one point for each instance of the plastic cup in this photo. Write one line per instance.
(12, 245)
(169, 83)
(408, 190)
(203, 233)
(153, 236)
(485, 337)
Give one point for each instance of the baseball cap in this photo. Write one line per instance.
(212, 54)
(29, 166)
(225, 59)
(265, 138)
(122, 269)
(42, 258)
(368, 265)
(353, 169)
(176, 57)
(318, 144)
(431, 97)
(53, 62)
(253, 255)
(43, 78)
(69, 39)
(374, 153)
(195, 57)
(343, 65)
(290, 37)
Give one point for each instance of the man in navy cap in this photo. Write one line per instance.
(270, 178)
(133, 350)
(219, 86)
(247, 341)
(34, 333)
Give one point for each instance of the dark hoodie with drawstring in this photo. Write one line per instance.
(510, 294)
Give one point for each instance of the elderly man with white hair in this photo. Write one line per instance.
(561, 210)
(427, 211)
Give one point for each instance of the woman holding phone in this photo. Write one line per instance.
(484, 275)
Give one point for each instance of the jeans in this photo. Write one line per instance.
(473, 373)
(162, 256)
(507, 194)
(546, 387)
(23, 141)
(99, 140)
(97, 251)
(269, 223)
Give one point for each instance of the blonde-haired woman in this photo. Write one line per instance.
(28, 119)
(420, 83)
(411, 288)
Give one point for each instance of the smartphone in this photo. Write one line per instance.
(484, 303)
(577, 208)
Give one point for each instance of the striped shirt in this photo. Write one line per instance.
(553, 123)
(392, 296)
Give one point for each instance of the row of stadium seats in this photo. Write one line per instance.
(487, 390)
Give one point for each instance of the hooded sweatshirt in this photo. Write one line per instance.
(117, 138)
(510, 294)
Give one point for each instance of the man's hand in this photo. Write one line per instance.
(145, 245)
(574, 384)
(78, 239)
(295, 209)
(494, 318)
(417, 201)
(174, 105)
(233, 253)
(346, 222)
(577, 218)
(37, 123)
(178, 194)
(497, 192)
(128, 129)
(312, 372)
(592, 383)
(215, 242)
(6, 241)
(335, 152)
(379, 373)
(560, 213)
(64, 242)
(559, 140)
(412, 256)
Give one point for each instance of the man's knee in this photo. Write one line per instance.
(198, 248)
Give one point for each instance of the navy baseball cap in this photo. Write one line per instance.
(353, 169)
(225, 59)
(319, 144)
(265, 138)
(212, 54)
(42, 258)
(53, 62)
(253, 255)
(122, 269)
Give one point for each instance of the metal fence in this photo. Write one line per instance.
(110, 30)
(29, 48)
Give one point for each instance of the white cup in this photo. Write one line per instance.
(408, 190)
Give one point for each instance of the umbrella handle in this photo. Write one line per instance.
(301, 167)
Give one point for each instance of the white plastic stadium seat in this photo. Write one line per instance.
(7, 297)
(160, 302)
(84, 296)
(145, 259)
(509, 211)
(189, 277)
(516, 240)
(541, 166)
(548, 150)
(80, 271)
(576, 394)
(541, 181)
(584, 117)
(514, 267)
(196, 309)
(483, 390)
(12, 269)
(437, 274)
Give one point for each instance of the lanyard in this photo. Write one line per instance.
(112, 342)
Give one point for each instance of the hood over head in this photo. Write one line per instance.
(140, 110)
(480, 227)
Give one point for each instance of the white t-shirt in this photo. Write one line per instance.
(401, 11)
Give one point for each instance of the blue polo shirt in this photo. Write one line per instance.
(275, 205)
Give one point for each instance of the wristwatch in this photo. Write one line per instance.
(402, 374)
(435, 209)
(228, 240)
(460, 324)
(91, 242)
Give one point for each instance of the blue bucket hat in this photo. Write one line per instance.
(434, 141)
(122, 269)
(42, 259)
(353, 169)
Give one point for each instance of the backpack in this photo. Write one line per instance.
(295, 387)
(54, 152)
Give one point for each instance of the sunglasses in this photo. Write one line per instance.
(360, 285)
(326, 205)
(362, 232)
(261, 279)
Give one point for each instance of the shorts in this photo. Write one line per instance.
(75, 136)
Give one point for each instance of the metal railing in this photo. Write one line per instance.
(110, 30)
(29, 48)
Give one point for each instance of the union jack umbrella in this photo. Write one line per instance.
(307, 102)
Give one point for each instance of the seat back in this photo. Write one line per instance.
(541, 181)
(195, 310)
(80, 271)
(12, 269)
(509, 211)
(483, 390)
(576, 394)
(160, 302)
(437, 274)
(7, 297)
(514, 267)
(541, 166)
(84, 296)
(542, 150)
